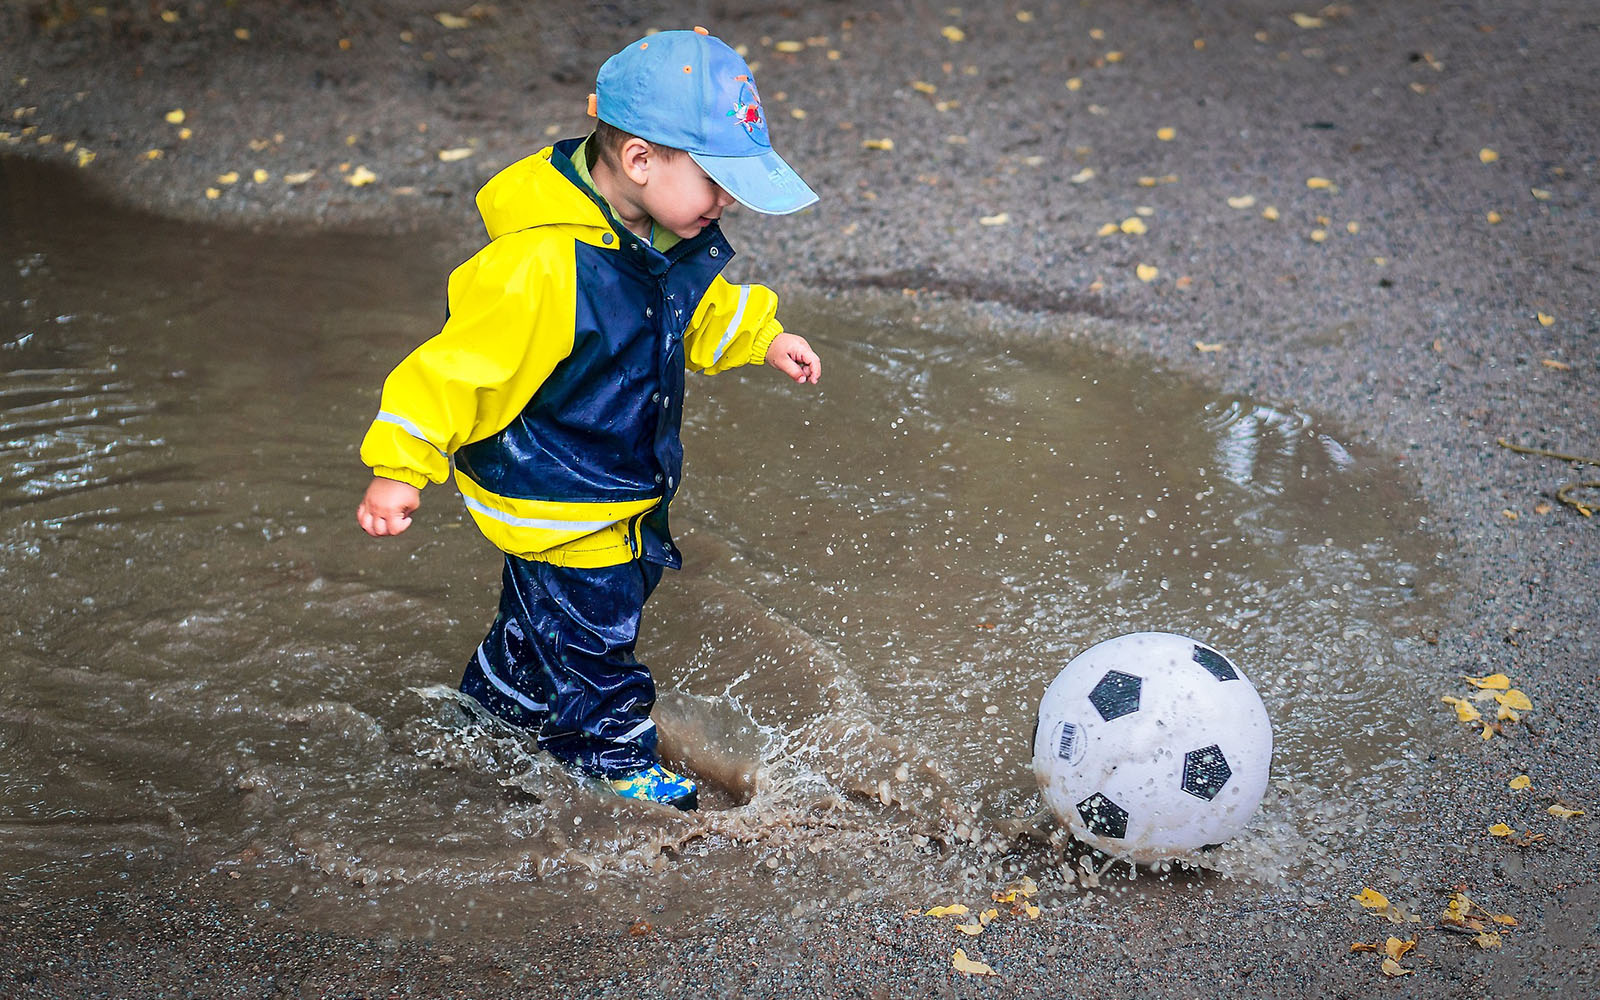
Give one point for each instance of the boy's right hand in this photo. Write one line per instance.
(386, 508)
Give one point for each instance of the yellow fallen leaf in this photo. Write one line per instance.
(242, 34)
(1306, 20)
(212, 194)
(1098, 34)
(923, 87)
(1113, 57)
(883, 144)
(1551, 363)
(1465, 712)
(1352, 227)
(961, 963)
(788, 46)
(1545, 319)
(953, 33)
(1147, 273)
(1397, 949)
(1506, 715)
(1540, 193)
(1031, 910)
(953, 910)
(1372, 899)
(1562, 812)
(170, 16)
(1487, 940)
(452, 21)
(1166, 133)
(1504, 919)
(797, 113)
(1493, 682)
(153, 154)
(1494, 218)
(296, 179)
(1242, 201)
(1356, 946)
(1515, 700)
(1205, 348)
(1318, 235)
(186, 133)
(231, 177)
(987, 916)
(175, 116)
(1394, 969)
(1488, 732)
(1134, 226)
(1108, 229)
(1083, 176)
(260, 176)
(452, 155)
(999, 219)
(1318, 183)
(971, 930)
(361, 177)
(1270, 213)
(1500, 830)
(1487, 155)
(1025, 16)
(1074, 83)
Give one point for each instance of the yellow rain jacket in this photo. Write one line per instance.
(556, 385)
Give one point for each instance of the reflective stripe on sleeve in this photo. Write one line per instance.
(733, 324)
(385, 417)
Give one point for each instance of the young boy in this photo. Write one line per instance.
(556, 388)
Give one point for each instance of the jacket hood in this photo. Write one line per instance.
(538, 190)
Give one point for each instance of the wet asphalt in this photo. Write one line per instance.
(1382, 214)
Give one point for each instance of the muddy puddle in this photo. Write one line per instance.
(212, 676)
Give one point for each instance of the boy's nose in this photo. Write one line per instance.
(724, 199)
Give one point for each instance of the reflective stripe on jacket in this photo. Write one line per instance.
(557, 381)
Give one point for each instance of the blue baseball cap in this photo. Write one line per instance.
(690, 91)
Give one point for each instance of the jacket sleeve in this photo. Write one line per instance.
(733, 325)
(512, 310)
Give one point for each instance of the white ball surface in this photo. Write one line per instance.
(1152, 745)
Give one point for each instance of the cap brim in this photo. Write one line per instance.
(762, 183)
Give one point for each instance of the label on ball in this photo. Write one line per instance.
(1070, 744)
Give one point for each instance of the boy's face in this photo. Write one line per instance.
(680, 197)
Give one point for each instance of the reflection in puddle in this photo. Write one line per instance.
(216, 672)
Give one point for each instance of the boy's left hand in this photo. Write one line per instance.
(794, 357)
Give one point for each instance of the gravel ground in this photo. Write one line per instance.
(1404, 296)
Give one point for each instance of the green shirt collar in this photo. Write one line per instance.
(662, 239)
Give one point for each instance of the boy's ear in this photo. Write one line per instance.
(635, 157)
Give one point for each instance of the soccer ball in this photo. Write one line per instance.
(1152, 745)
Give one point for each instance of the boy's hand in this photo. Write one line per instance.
(794, 357)
(387, 507)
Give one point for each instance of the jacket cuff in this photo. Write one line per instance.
(763, 340)
(408, 476)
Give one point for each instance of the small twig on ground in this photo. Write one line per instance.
(1564, 492)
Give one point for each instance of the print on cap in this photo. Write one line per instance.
(747, 111)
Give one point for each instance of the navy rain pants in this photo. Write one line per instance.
(559, 661)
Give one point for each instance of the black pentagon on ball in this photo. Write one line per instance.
(1205, 771)
(1216, 663)
(1103, 817)
(1116, 695)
